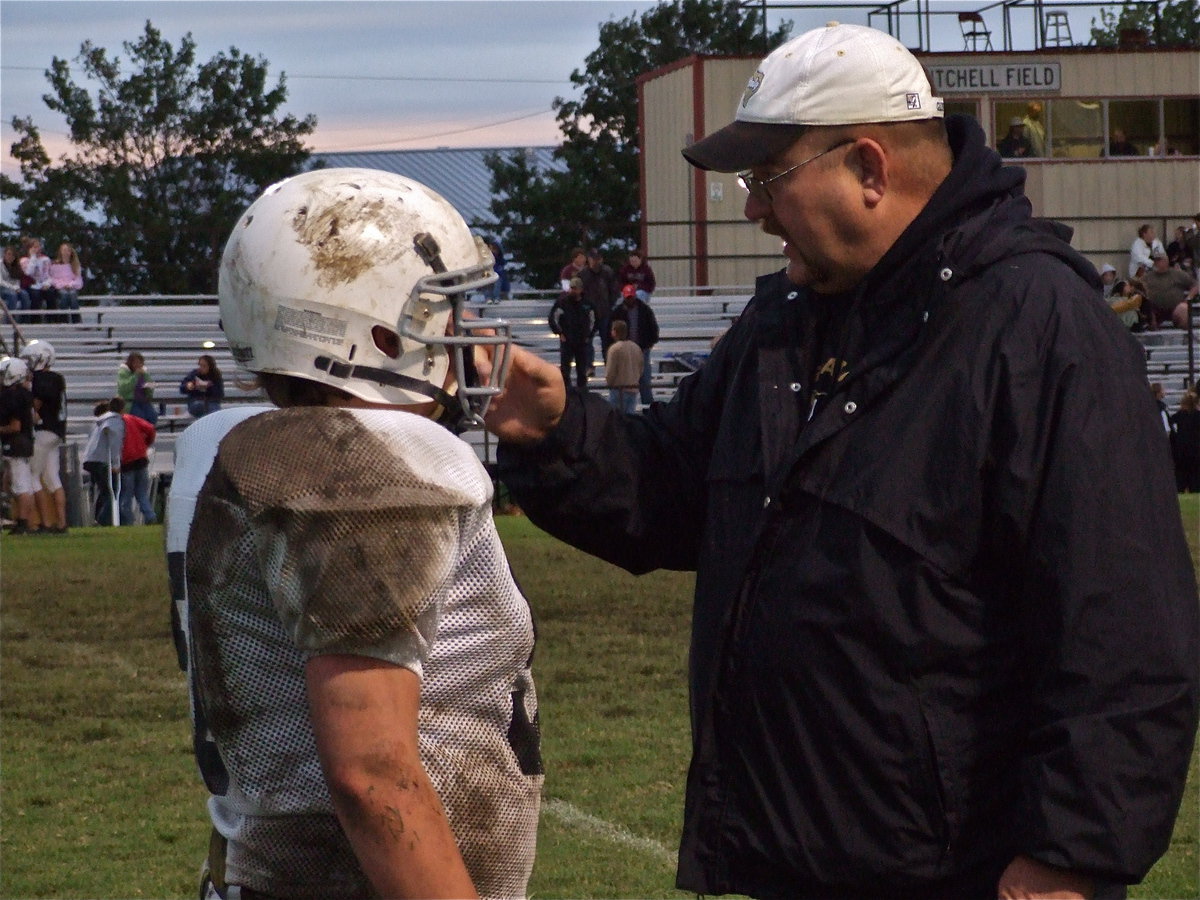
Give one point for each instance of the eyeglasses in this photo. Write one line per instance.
(757, 187)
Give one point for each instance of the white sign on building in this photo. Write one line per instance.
(1040, 77)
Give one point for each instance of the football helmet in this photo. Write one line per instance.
(13, 370)
(38, 355)
(357, 278)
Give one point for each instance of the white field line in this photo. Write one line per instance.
(575, 817)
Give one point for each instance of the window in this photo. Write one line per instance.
(1077, 129)
(963, 108)
(1033, 122)
(1181, 126)
(1132, 127)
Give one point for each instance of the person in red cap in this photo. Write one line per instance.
(642, 325)
(931, 654)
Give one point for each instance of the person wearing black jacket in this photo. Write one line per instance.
(600, 292)
(635, 312)
(574, 321)
(932, 653)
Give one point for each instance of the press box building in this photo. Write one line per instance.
(693, 227)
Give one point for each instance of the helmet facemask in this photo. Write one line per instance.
(458, 339)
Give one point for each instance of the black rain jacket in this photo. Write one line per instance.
(951, 619)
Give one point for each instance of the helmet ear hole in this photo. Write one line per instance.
(386, 341)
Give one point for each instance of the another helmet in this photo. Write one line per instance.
(349, 277)
(38, 354)
(13, 370)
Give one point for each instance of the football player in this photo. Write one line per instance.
(357, 650)
(49, 390)
(16, 435)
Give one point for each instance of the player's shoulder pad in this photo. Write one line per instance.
(339, 459)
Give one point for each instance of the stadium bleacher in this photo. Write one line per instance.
(172, 336)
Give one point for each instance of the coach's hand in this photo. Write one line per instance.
(1028, 878)
(533, 400)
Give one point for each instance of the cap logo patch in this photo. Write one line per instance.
(752, 87)
(913, 100)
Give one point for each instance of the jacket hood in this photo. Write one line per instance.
(979, 214)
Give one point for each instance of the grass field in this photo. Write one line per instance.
(100, 797)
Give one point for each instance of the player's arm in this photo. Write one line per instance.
(364, 715)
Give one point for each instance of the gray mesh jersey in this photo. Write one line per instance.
(366, 532)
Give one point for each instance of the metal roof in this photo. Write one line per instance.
(457, 173)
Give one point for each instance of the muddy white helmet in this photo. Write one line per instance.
(349, 277)
(38, 355)
(12, 370)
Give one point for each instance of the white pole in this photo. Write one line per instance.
(114, 484)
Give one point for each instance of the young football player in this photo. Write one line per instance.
(357, 649)
(49, 391)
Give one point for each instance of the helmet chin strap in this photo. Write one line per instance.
(452, 414)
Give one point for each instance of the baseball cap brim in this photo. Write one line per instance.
(742, 145)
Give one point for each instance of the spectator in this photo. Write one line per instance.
(500, 288)
(1108, 279)
(66, 277)
(572, 269)
(135, 469)
(931, 656)
(102, 459)
(1015, 144)
(643, 331)
(15, 297)
(135, 387)
(600, 292)
(49, 391)
(623, 368)
(1177, 250)
(35, 269)
(1193, 238)
(1035, 131)
(1185, 444)
(1142, 249)
(637, 272)
(16, 438)
(1121, 145)
(574, 321)
(1128, 301)
(1168, 291)
(204, 387)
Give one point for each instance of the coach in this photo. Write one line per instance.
(945, 627)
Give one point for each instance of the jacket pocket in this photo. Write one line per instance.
(935, 783)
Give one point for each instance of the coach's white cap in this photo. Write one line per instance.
(836, 75)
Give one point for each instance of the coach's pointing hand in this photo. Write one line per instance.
(532, 402)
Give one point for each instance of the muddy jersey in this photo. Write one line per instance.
(368, 532)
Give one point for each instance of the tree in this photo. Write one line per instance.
(1168, 23)
(594, 202)
(166, 154)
